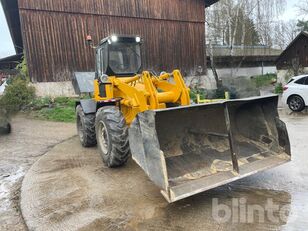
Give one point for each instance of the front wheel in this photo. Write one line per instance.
(112, 136)
(296, 103)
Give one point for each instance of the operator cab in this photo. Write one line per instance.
(118, 56)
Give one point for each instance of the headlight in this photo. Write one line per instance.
(103, 78)
(138, 39)
(114, 38)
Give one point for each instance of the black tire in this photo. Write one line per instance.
(6, 129)
(296, 103)
(112, 136)
(86, 127)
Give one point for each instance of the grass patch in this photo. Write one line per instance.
(264, 80)
(61, 109)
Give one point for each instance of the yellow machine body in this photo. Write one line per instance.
(144, 92)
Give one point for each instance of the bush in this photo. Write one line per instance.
(197, 91)
(23, 68)
(17, 95)
(213, 94)
(264, 80)
(279, 88)
(220, 93)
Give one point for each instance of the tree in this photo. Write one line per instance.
(225, 20)
(242, 23)
(302, 25)
(245, 34)
(284, 33)
(302, 8)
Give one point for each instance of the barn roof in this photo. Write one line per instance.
(10, 62)
(303, 33)
(10, 8)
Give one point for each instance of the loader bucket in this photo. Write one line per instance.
(188, 150)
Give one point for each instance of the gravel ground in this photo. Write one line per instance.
(76, 192)
(69, 188)
(29, 140)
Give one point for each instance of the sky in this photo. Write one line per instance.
(290, 12)
(7, 48)
(6, 45)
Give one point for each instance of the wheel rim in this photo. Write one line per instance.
(103, 137)
(80, 128)
(295, 103)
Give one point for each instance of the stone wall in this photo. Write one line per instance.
(56, 89)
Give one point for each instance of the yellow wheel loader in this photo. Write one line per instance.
(184, 149)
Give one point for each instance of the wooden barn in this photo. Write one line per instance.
(294, 59)
(53, 33)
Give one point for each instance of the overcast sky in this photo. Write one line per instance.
(6, 45)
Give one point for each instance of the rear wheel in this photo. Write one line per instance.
(296, 103)
(86, 127)
(112, 136)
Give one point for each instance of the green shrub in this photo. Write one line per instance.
(220, 93)
(264, 80)
(279, 88)
(40, 102)
(197, 91)
(23, 68)
(213, 94)
(17, 95)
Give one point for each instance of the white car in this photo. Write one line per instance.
(2, 87)
(295, 93)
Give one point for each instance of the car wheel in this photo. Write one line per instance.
(296, 103)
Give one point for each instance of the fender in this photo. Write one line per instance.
(89, 106)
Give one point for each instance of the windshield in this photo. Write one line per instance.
(124, 57)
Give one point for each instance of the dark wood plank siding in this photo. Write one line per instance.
(54, 33)
(297, 50)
